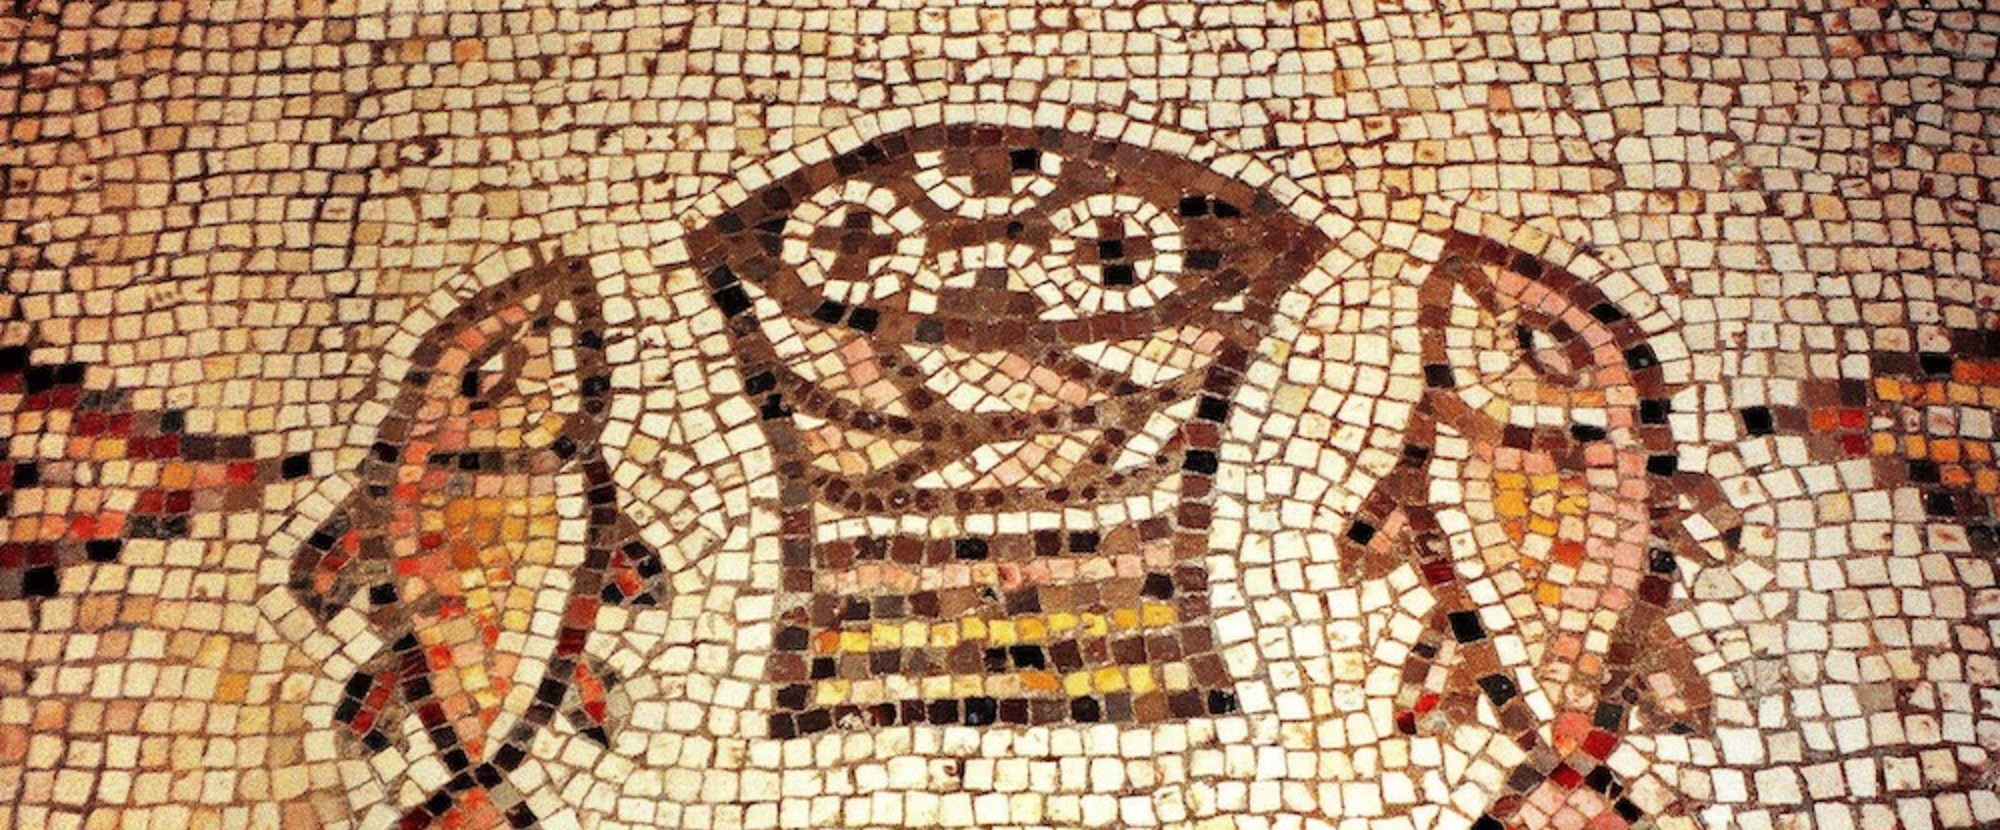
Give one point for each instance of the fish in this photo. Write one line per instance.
(1545, 419)
(481, 541)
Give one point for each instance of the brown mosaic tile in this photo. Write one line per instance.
(999, 414)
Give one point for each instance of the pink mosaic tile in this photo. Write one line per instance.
(1014, 413)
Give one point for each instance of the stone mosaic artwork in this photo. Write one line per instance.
(1018, 413)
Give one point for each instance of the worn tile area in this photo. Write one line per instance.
(1002, 413)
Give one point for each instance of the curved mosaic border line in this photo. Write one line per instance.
(610, 272)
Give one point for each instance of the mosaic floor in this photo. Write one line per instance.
(808, 414)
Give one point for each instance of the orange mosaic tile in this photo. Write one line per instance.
(999, 413)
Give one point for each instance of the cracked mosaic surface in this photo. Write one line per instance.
(1002, 414)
